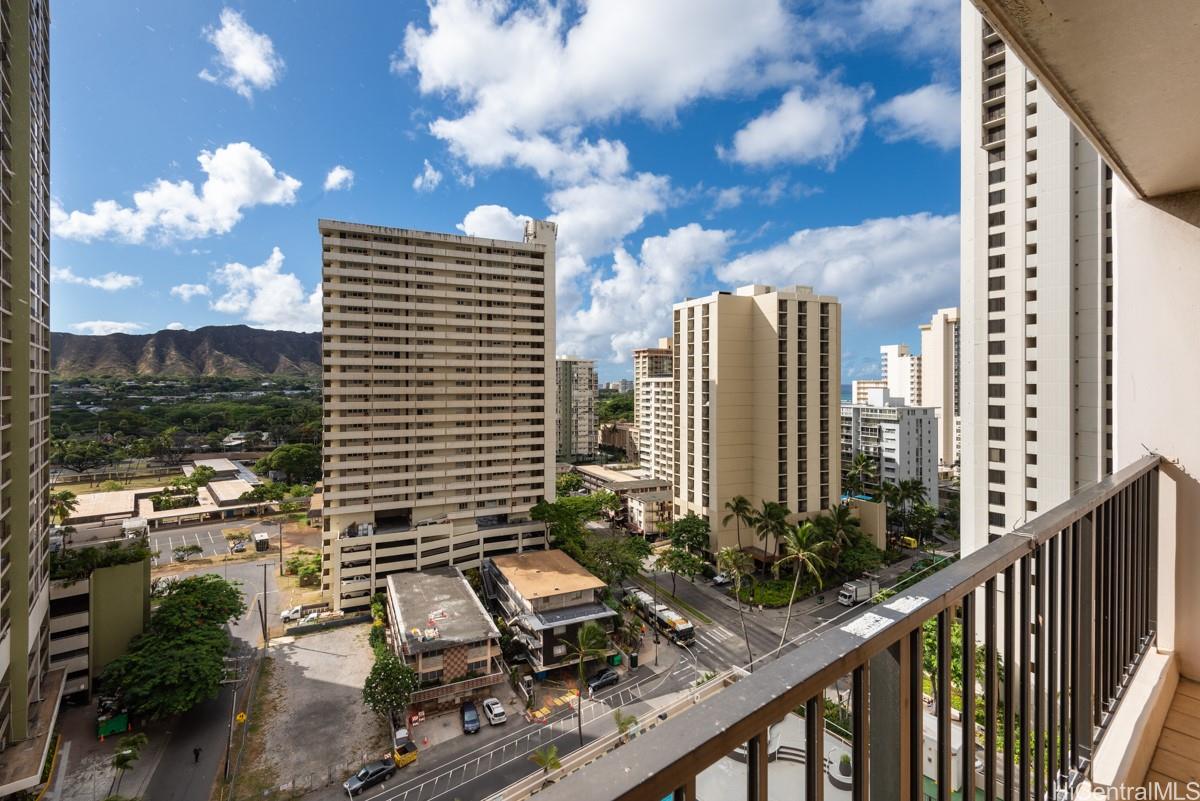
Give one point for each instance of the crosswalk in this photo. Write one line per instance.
(714, 635)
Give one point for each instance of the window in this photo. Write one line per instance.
(995, 326)
(560, 650)
(996, 283)
(996, 348)
(995, 454)
(996, 262)
(477, 667)
(560, 630)
(996, 176)
(995, 390)
(996, 240)
(995, 412)
(431, 676)
(996, 498)
(995, 368)
(996, 519)
(996, 196)
(995, 432)
(1031, 482)
(995, 476)
(995, 304)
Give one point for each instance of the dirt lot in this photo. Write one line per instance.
(314, 728)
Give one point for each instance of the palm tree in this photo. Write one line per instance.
(861, 474)
(546, 758)
(740, 510)
(912, 493)
(737, 565)
(838, 525)
(590, 643)
(128, 750)
(624, 722)
(62, 505)
(803, 546)
(772, 522)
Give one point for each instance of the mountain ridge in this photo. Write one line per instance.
(237, 351)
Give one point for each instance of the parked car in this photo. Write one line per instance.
(493, 710)
(470, 717)
(295, 613)
(239, 546)
(605, 678)
(720, 580)
(369, 775)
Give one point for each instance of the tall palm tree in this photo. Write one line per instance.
(62, 505)
(590, 643)
(912, 493)
(740, 510)
(861, 474)
(546, 758)
(838, 525)
(771, 521)
(809, 552)
(737, 565)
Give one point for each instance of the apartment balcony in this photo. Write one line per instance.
(1072, 677)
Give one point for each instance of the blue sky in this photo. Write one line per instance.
(682, 146)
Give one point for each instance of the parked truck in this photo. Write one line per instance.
(855, 592)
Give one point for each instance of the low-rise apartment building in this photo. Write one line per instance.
(440, 628)
(545, 597)
(646, 498)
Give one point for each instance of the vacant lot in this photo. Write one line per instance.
(314, 728)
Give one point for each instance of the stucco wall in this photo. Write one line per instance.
(120, 609)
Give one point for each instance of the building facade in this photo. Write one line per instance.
(940, 375)
(860, 389)
(757, 382)
(646, 498)
(654, 408)
(575, 421)
(438, 404)
(1037, 280)
(902, 440)
(901, 369)
(27, 702)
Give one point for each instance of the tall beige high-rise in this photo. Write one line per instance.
(757, 386)
(1037, 278)
(654, 408)
(901, 371)
(940, 376)
(24, 377)
(575, 425)
(438, 403)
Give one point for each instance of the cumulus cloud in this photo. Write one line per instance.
(820, 126)
(929, 114)
(493, 222)
(186, 292)
(339, 177)
(892, 269)
(630, 305)
(428, 180)
(266, 297)
(239, 176)
(175, 327)
(245, 60)
(102, 327)
(109, 282)
(482, 52)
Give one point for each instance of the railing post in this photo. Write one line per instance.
(756, 766)
(814, 748)
(887, 721)
(862, 733)
(1082, 689)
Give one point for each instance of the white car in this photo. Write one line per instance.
(720, 579)
(295, 613)
(493, 710)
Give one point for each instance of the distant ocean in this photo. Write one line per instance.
(845, 393)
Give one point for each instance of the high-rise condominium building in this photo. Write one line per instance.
(438, 403)
(901, 440)
(860, 389)
(902, 372)
(757, 376)
(575, 422)
(654, 408)
(28, 693)
(940, 382)
(1037, 278)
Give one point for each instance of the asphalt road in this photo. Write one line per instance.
(179, 777)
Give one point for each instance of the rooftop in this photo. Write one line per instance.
(218, 465)
(231, 490)
(104, 504)
(615, 474)
(437, 608)
(540, 574)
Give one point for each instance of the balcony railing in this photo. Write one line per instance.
(1062, 611)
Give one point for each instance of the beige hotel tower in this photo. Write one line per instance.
(757, 376)
(438, 357)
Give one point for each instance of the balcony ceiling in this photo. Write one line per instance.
(1126, 71)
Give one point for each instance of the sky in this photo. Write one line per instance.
(681, 146)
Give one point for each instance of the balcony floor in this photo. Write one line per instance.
(1177, 757)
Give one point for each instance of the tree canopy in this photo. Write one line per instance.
(299, 462)
(389, 685)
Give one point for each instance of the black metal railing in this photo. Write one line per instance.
(1060, 611)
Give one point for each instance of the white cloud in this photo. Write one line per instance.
(915, 26)
(176, 327)
(428, 180)
(266, 297)
(340, 177)
(186, 292)
(483, 52)
(239, 176)
(493, 222)
(929, 114)
(889, 269)
(245, 59)
(102, 327)
(630, 307)
(821, 126)
(109, 282)
(729, 198)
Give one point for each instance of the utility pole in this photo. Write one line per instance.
(280, 522)
(653, 619)
(262, 609)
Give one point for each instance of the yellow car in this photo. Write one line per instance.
(908, 542)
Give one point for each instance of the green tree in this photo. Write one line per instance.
(614, 557)
(129, 750)
(590, 643)
(806, 551)
(546, 758)
(179, 660)
(772, 522)
(568, 483)
(62, 505)
(861, 475)
(737, 565)
(838, 525)
(389, 685)
(184, 552)
(299, 462)
(679, 562)
(306, 567)
(616, 407)
(740, 511)
(624, 722)
(691, 533)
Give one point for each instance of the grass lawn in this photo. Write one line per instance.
(138, 482)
